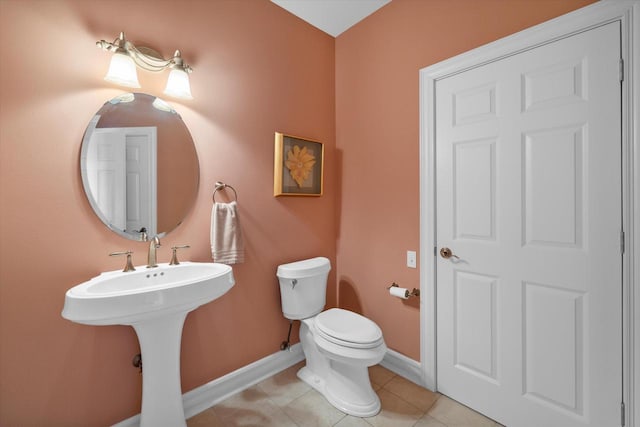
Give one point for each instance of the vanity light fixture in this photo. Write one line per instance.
(126, 56)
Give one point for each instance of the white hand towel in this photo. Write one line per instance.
(227, 246)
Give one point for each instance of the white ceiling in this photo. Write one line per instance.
(332, 16)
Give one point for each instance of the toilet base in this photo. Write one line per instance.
(340, 374)
(315, 381)
(351, 394)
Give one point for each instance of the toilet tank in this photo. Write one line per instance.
(303, 287)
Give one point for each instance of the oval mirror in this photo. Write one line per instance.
(139, 166)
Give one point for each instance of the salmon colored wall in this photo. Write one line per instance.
(377, 140)
(257, 70)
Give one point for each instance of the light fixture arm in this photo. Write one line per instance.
(144, 57)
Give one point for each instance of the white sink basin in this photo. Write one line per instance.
(118, 298)
(155, 302)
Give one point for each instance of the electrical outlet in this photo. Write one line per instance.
(411, 259)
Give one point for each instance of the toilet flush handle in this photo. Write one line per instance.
(294, 282)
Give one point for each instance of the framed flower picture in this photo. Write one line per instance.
(298, 164)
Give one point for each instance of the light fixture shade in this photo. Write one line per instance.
(178, 84)
(122, 71)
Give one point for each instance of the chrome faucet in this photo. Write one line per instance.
(151, 260)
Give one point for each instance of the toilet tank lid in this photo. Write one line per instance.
(304, 268)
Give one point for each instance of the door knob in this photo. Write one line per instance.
(446, 254)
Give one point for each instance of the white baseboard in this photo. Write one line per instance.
(213, 392)
(403, 366)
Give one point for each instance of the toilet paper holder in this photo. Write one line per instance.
(414, 292)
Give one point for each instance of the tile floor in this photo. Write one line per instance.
(285, 401)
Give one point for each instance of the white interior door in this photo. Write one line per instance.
(123, 177)
(528, 170)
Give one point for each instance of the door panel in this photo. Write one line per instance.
(475, 324)
(528, 170)
(553, 176)
(553, 318)
(474, 189)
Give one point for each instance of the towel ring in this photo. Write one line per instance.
(222, 186)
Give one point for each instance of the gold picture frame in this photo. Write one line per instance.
(298, 166)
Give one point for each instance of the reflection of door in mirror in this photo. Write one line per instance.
(123, 177)
(139, 166)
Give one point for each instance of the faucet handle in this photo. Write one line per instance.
(174, 257)
(129, 266)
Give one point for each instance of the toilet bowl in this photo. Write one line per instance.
(339, 345)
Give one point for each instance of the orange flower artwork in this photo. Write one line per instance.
(300, 163)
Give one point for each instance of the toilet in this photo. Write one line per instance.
(339, 345)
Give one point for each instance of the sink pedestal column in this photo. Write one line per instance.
(161, 390)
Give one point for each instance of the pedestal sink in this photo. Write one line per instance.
(155, 302)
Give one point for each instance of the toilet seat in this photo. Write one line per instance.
(348, 329)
